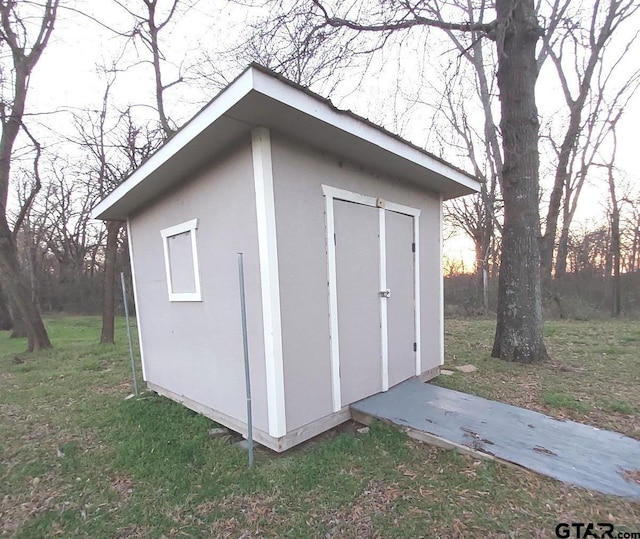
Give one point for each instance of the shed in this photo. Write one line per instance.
(340, 223)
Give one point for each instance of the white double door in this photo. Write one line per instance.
(375, 288)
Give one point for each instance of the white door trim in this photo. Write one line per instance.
(335, 193)
(416, 291)
(441, 284)
(333, 304)
(269, 280)
(384, 330)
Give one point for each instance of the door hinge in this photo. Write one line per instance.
(415, 346)
(413, 247)
(335, 242)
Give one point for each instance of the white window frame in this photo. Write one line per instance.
(188, 226)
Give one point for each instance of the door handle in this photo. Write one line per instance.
(385, 293)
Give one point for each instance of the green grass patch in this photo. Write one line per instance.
(559, 399)
(617, 405)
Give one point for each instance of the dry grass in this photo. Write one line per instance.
(591, 378)
(78, 460)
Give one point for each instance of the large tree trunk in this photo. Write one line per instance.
(519, 326)
(18, 327)
(6, 323)
(15, 287)
(109, 284)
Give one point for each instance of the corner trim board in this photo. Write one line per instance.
(441, 286)
(269, 279)
(135, 298)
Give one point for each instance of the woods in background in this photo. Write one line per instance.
(445, 95)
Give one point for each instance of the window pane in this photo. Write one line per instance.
(181, 263)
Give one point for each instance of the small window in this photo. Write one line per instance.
(181, 261)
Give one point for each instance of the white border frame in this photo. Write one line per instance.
(269, 280)
(334, 193)
(191, 227)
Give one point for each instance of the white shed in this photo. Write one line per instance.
(340, 223)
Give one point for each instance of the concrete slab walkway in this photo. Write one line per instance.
(578, 454)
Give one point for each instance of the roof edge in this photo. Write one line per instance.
(270, 84)
(271, 75)
(217, 107)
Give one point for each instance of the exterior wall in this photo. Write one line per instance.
(299, 173)
(194, 349)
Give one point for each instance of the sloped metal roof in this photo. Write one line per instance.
(259, 97)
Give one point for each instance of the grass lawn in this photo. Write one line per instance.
(79, 460)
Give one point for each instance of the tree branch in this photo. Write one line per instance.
(35, 188)
(336, 22)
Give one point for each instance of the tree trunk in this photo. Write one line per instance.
(5, 316)
(519, 334)
(109, 284)
(18, 327)
(15, 287)
(563, 253)
(616, 308)
(615, 248)
(635, 250)
(482, 246)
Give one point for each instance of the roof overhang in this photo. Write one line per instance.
(260, 98)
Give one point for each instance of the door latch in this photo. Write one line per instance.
(385, 293)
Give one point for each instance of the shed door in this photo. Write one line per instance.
(374, 268)
(400, 304)
(357, 248)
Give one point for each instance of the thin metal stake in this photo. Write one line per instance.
(126, 315)
(247, 377)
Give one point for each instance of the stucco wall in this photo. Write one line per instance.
(195, 348)
(299, 173)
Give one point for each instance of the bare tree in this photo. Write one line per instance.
(478, 216)
(577, 50)
(632, 233)
(578, 54)
(19, 22)
(116, 146)
(58, 242)
(615, 244)
(614, 260)
(148, 23)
